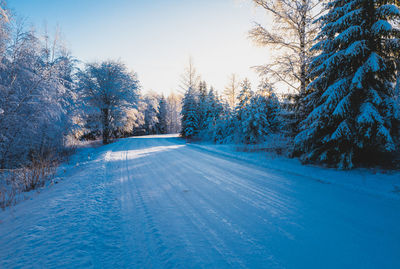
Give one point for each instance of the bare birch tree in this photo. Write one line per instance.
(232, 90)
(292, 35)
(190, 78)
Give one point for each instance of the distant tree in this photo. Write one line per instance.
(225, 127)
(263, 117)
(190, 78)
(150, 113)
(214, 107)
(190, 117)
(353, 114)
(202, 105)
(232, 90)
(243, 99)
(242, 110)
(174, 107)
(162, 127)
(110, 89)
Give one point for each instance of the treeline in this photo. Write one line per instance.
(249, 120)
(340, 61)
(48, 104)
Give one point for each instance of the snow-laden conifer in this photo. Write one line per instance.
(190, 117)
(353, 113)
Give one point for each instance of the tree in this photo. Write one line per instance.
(174, 107)
(36, 98)
(190, 78)
(353, 114)
(214, 108)
(263, 117)
(109, 89)
(231, 90)
(202, 105)
(4, 27)
(242, 110)
(292, 36)
(150, 114)
(190, 117)
(162, 116)
(243, 98)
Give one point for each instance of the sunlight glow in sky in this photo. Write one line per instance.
(155, 38)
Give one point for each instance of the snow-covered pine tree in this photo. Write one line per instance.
(202, 106)
(224, 129)
(162, 116)
(354, 117)
(214, 107)
(150, 114)
(242, 109)
(244, 97)
(263, 116)
(189, 119)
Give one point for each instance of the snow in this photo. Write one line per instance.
(158, 202)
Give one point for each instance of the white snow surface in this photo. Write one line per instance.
(157, 202)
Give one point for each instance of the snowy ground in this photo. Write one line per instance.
(156, 202)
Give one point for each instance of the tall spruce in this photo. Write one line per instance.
(162, 116)
(353, 116)
(243, 99)
(202, 105)
(242, 112)
(190, 117)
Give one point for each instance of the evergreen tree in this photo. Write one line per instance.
(263, 116)
(190, 119)
(242, 110)
(225, 125)
(214, 107)
(150, 115)
(353, 115)
(244, 97)
(162, 116)
(202, 106)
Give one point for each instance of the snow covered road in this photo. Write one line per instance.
(155, 202)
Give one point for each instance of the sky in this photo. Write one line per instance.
(156, 38)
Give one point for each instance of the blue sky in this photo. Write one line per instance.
(155, 38)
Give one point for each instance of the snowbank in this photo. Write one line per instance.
(372, 181)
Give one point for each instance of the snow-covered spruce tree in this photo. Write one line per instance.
(354, 117)
(150, 113)
(243, 98)
(202, 106)
(190, 118)
(162, 116)
(242, 110)
(225, 125)
(214, 107)
(263, 116)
